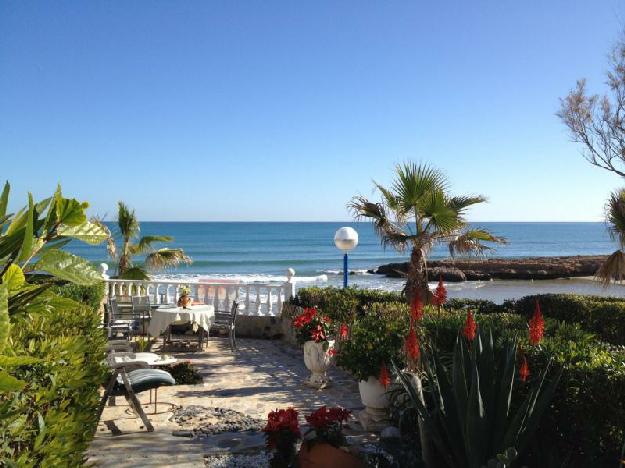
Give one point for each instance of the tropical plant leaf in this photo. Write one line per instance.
(88, 232)
(68, 267)
(8, 383)
(69, 211)
(13, 278)
(135, 273)
(5, 324)
(4, 199)
(27, 243)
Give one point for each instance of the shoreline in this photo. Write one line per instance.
(502, 268)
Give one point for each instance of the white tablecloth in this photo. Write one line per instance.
(162, 317)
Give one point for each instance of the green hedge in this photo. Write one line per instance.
(52, 420)
(604, 316)
(342, 304)
(584, 426)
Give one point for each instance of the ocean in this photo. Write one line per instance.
(263, 251)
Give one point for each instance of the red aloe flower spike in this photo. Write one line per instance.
(536, 326)
(470, 327)
(412, 345)
(384, 377)
(440, 293)
(344, 331)
(524, 370)
(416, 309)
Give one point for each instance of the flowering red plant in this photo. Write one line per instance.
(412, 345)
(470, 327)
(416, 309)
(536, 326)
(440, 293)
(344, 331)
(524, 370)
(384, 377)
(312, 325)
(282, 432)
(326, 426)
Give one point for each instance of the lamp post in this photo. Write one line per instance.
(345, 239)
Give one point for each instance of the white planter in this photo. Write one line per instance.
(374, 397)
(317, 361)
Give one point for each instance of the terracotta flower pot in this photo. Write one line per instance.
(326, 456)
(317, 360)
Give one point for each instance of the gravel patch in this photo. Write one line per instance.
(260, 460)
(202, 421)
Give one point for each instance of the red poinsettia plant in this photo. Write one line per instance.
(312, 325)
(326, 426)
(282, 433)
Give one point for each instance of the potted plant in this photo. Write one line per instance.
(324, 443)
(375, 340)
(313, 330)
(282, 433)
(185, 300)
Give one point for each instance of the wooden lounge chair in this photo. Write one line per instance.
(128, 379)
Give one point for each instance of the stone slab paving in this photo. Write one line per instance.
(261, 376)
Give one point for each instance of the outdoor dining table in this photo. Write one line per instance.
(163, 317)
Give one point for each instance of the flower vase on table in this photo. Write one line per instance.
(185, 300)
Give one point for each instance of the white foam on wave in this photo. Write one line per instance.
(351, 272)
(238, 278)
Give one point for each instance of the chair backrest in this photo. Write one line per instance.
(227, 318)
(233, 312)
(141, 306)
(113, 310)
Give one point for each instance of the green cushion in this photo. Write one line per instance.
(144, 379)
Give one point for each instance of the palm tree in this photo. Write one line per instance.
(614, 266)
(417, 212)
(155, 259)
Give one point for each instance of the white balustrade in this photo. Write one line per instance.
(264, 299)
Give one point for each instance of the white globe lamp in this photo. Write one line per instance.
(345, 239)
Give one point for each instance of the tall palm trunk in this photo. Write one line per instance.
(124, 258)
(417, 280)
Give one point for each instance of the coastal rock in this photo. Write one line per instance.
(530, 268)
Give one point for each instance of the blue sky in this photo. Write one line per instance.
(249, 110)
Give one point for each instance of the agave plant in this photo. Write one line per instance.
(416, 213)
(465, 409)
(30, 242)
(155, 259)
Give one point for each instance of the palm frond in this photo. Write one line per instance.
(615, 216)
(470, 242)
(166, 258)
(613, 269)
(389, 232)
(441, 217)
(414, 182)
(390, 198)
(145, 243)
(127, 221)
(461, 203)
(135, 273)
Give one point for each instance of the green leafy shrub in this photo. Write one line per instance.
(51, 421)
(483, 306)
(604, 316)
(375, 339)
(90, 295)
(342, 304)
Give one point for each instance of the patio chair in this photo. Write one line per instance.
(116, 325)
(141, 309)
(128, 379)
(226, 321)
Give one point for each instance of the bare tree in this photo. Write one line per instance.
(598, 122)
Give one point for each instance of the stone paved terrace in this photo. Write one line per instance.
(263, 375)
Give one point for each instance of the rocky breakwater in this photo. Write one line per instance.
(480, 269)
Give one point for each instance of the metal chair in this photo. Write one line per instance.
(226, 321)
(141, 309)
(115, 325)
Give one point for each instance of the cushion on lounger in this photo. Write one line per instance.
(144, 379)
